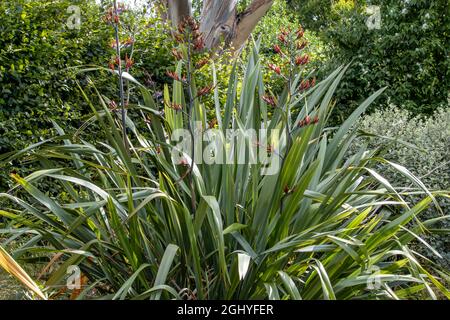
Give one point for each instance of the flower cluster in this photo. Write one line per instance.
(307, 121)
(290, 47)
(113, 16)
(191, 51)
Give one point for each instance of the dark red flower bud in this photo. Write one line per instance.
(173, 75)
(286, 189)
(302, 60)
(316, 119)
(128, 62)
(112, 105)
(277, 48)
(302, 44)
(269, 100)
(201, 63)
(275, 68)
(204, 91)
(304, 85)
(307, 120)
(199, 44)
(177, 54)
(282, 38)
(300, 32)
(176, 106)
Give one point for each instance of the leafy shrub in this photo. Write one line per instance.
(142, 224)
(409, 53)
(431, 162)
(40, 58)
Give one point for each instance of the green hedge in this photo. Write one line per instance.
(409, 53)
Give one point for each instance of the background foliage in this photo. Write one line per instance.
(409, 53)
(430, 160)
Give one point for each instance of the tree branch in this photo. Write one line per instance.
(247, 20)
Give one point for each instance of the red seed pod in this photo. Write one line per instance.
(301, 123)
(179, 38)
(313, 82)
(301, 60)
(285, 32)
(111, 66)
(286, 189)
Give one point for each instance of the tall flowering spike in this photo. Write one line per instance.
(275, 68)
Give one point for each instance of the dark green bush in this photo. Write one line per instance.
(409, 53)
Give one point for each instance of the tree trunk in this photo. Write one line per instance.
(220, 22)
(178, 10)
